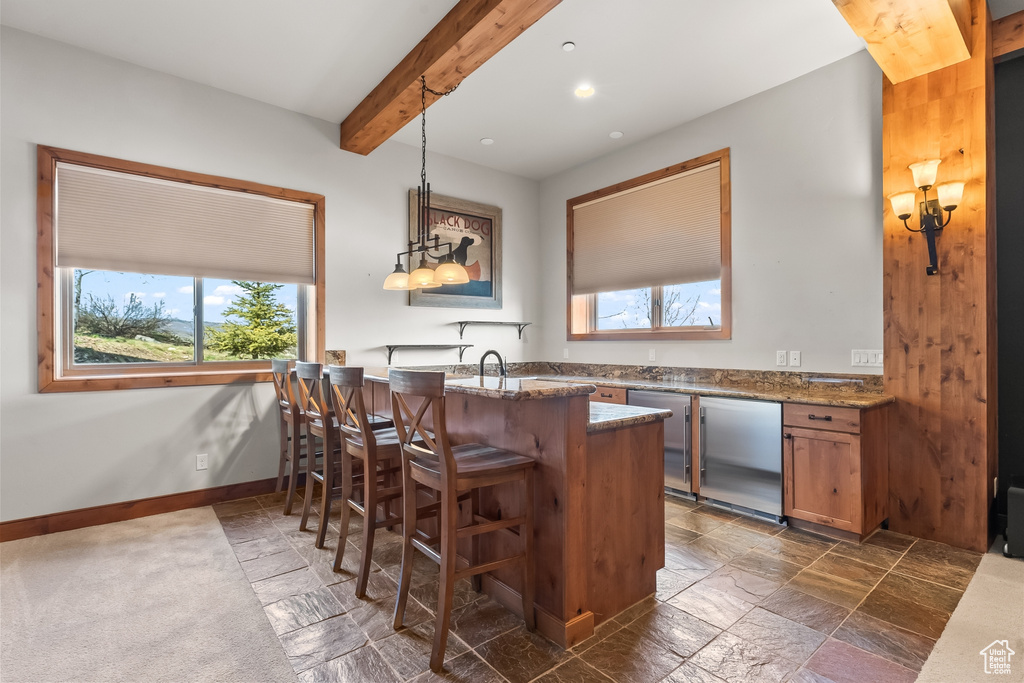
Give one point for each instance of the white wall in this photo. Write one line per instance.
(68, 451)
(806, 224)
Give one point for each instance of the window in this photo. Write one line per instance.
(649, 258)
(154, 277)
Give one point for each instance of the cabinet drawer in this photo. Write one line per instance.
(831, 418)
(609, 395)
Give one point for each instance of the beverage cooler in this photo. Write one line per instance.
(678, 460)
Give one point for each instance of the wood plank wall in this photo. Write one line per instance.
(939, 336)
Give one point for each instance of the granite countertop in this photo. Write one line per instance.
(605, 416)
(529, 386)
(823, 396)
(505, 388)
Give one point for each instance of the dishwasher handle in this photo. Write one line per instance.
(702, 440)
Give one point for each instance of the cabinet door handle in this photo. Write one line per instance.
(609, 396)
(787, 436)
(835, 490)
(826, 418)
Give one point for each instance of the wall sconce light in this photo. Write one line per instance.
(930, 210)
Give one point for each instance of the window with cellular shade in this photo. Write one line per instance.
(661, 233)
(109, 220)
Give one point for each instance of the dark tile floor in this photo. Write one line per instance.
(739, 600)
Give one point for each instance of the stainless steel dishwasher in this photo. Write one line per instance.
(741, 453)
(677, 434)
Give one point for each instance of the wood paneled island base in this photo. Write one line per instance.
(599, 526)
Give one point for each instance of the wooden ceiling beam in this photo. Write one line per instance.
(1008, 34)
(911, 38)
(470, 34)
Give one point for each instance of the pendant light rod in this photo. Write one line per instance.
(449, 272)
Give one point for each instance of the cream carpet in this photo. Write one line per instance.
(991, 609)
(160, 598)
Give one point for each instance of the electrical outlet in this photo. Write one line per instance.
(565, 354)
(202, 461)
(780, 358)
(794, 358)
(650, 354)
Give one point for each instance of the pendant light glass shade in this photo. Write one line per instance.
(422, 277)
(398, 280)
(950, 194)
(925, 172)
(451, 273)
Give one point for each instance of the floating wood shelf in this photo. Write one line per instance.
(462, 325)
(461, 347)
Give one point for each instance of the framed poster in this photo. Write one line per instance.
(475, 233)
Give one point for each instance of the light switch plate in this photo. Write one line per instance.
(565, 353)
(650, 354)
(866, 358)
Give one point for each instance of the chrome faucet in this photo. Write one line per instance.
(501, 363)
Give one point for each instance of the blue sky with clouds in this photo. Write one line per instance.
(176, 292)
(625, 309)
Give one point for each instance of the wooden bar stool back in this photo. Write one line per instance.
(380, 453)
(319, 424)
(450, 471)
(291, 428)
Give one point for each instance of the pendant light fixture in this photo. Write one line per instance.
(448, 272)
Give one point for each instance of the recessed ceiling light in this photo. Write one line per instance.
(585, 90)
(486, 141)
(615, 134)
(569, 46)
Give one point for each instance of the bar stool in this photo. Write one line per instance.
(449, 471)
(315, 401)
(380, 454)
(291, 428)
(320, 423)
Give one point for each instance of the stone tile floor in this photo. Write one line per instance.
(739, 600)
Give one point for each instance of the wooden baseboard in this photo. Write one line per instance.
(132, 509)
(564, 633)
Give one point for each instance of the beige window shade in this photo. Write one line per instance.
(663, 233)
(117, 221)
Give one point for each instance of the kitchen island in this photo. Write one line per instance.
(599, 527)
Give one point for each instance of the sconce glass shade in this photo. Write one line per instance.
(925, 172)
(903, 204)
(451, 273)
(950, 194)
(422, 278)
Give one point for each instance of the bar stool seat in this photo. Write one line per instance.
(454, 473)
(473, 462)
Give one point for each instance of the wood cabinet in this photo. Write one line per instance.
(609, 395)
(836, 466)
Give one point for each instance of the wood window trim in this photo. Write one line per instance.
(48, 326)
(577, 308)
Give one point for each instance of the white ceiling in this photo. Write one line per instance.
(654, 63)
